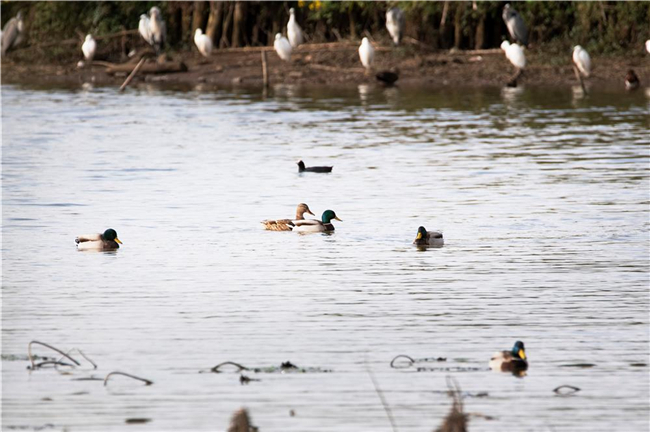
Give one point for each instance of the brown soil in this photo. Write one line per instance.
(338, 64)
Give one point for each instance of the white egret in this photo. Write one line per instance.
(395, 24)
(157, 28)
(143, 28)
(647, 45)
(366, 53)
(294, 32)
(89, 47)
(515, 54)
(203, 43)
(12, 33)
(282, 47)
(582, 60)
(516, 25)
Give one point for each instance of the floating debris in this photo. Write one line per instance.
(137, 420)
(449, 369)
(284, 367)
(146, 381)
(456, 420)
(243, 379)
(579, 365)
(411, 361)
(564, 390)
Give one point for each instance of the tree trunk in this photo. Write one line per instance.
(458, 25)
(197, 17)
(353, 30)
(479, 41)
(239, 24)
(213, 29)
(226, 26)
(186, 21)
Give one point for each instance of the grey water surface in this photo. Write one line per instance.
(542, 196)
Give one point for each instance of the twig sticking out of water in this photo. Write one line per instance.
(31, 358)
(571, 390)
(456, 420)
(237, 365)
(146, 381)
(82, 355)
(392, 363)
(380, 393)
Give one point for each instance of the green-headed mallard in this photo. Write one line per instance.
(428, 238)
(312, 225)
(287, 224)
(510, 361)
(99, 242)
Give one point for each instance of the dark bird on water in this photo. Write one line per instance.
(388, 77)
(631, 80)
(318, 169)
(516, 25)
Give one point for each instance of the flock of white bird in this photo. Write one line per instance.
(153, 30)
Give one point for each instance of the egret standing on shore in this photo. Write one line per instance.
(89, 47)
(157, 28)
(282, 47)
(647, 45)
(366, 53)
(582, 65)
(516, 25)
(515, 54)
(12, 33)
(582, 60)
(143, 28)
(203, 43)
(294, 32)
(395, 24)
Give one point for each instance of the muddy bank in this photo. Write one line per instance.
(338, 64)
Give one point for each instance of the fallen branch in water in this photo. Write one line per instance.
(146, 381)
(132, 74)
(82, 355)
(571, 389)
(412, 360)
(237, 365)
(31, 358)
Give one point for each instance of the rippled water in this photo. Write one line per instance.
(542, 196)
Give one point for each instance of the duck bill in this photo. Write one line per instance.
(522, 354)
(118, 240)
(419, 236)
(338, 219)
(309, 211)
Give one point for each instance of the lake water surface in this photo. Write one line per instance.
(542, 197)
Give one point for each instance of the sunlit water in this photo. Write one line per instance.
(542, 196)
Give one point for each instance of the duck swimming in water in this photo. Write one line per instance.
(428, 238)
(99, 242)
(312, 225)
(287, 224)
(510, 361)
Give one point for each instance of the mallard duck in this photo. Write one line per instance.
(287, 224)
(312, 225)
(319, 169)
(99, 242)
(428, 238)
(510, 361)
